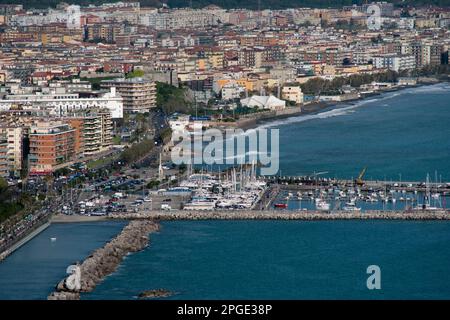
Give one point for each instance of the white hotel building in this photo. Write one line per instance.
(63, 104)
(394, 61)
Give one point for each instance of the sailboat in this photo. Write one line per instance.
(427, 198)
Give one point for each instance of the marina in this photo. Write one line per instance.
(236, 188)
(301, 193)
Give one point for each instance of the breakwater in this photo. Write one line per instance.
(104, 261)
(284, 215)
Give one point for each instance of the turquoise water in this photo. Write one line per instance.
(288, 260)
(405, 132)
(32, 272)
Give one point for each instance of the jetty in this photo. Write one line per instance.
(282, 215)
(84, 277)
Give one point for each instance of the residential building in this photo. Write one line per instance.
(14, 136)
(139, 95)
(292, 93)
(52, 146)
(63, 104)
(394, 62)
(3, 157)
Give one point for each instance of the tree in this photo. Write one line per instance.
(135, 74)
(3, 184)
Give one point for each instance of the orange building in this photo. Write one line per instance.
(78, 125)
(52, 145)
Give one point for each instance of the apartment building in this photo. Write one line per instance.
(426, 53)
(251, 57)
(93, 132)
(292, 93)
(63, 104)
(3, 157)
(138, 94)
(52, 146)
(14, 136)
(103, 32)
(394, 62)
(181, 19)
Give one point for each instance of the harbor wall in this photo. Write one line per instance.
(284, 215)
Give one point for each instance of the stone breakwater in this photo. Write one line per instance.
(104, 261)
(284, 215)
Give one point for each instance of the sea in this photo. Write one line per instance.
(402, 135)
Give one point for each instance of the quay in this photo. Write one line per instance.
(283, 215)
(37, 230)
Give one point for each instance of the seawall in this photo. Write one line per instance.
(284, 215)
(21, 242)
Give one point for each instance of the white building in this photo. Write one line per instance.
(231, 91)
(292, 93)
(264, 102)
(179, 124)
(182, 19)
(14, 137)
(63, 104)
(394, 62)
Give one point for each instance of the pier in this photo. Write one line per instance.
(283, 215)
(308, 183)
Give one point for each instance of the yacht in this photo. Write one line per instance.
(351, 206)
(322, 205)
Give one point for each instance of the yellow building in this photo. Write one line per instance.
(292, 93)
(249, 84)
(215, 59)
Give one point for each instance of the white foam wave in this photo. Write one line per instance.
(442, 87)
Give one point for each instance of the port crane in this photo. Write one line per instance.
(359, 181)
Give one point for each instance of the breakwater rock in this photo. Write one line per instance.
(284, 215)
(158, 293)
(104, 261)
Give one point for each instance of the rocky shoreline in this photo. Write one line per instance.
(104, 261)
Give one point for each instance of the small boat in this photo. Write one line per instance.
(280, 205)
(53, 239)
(351, 206)
(435, 196)
(322, 205)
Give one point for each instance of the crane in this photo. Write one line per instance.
(359, 181)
